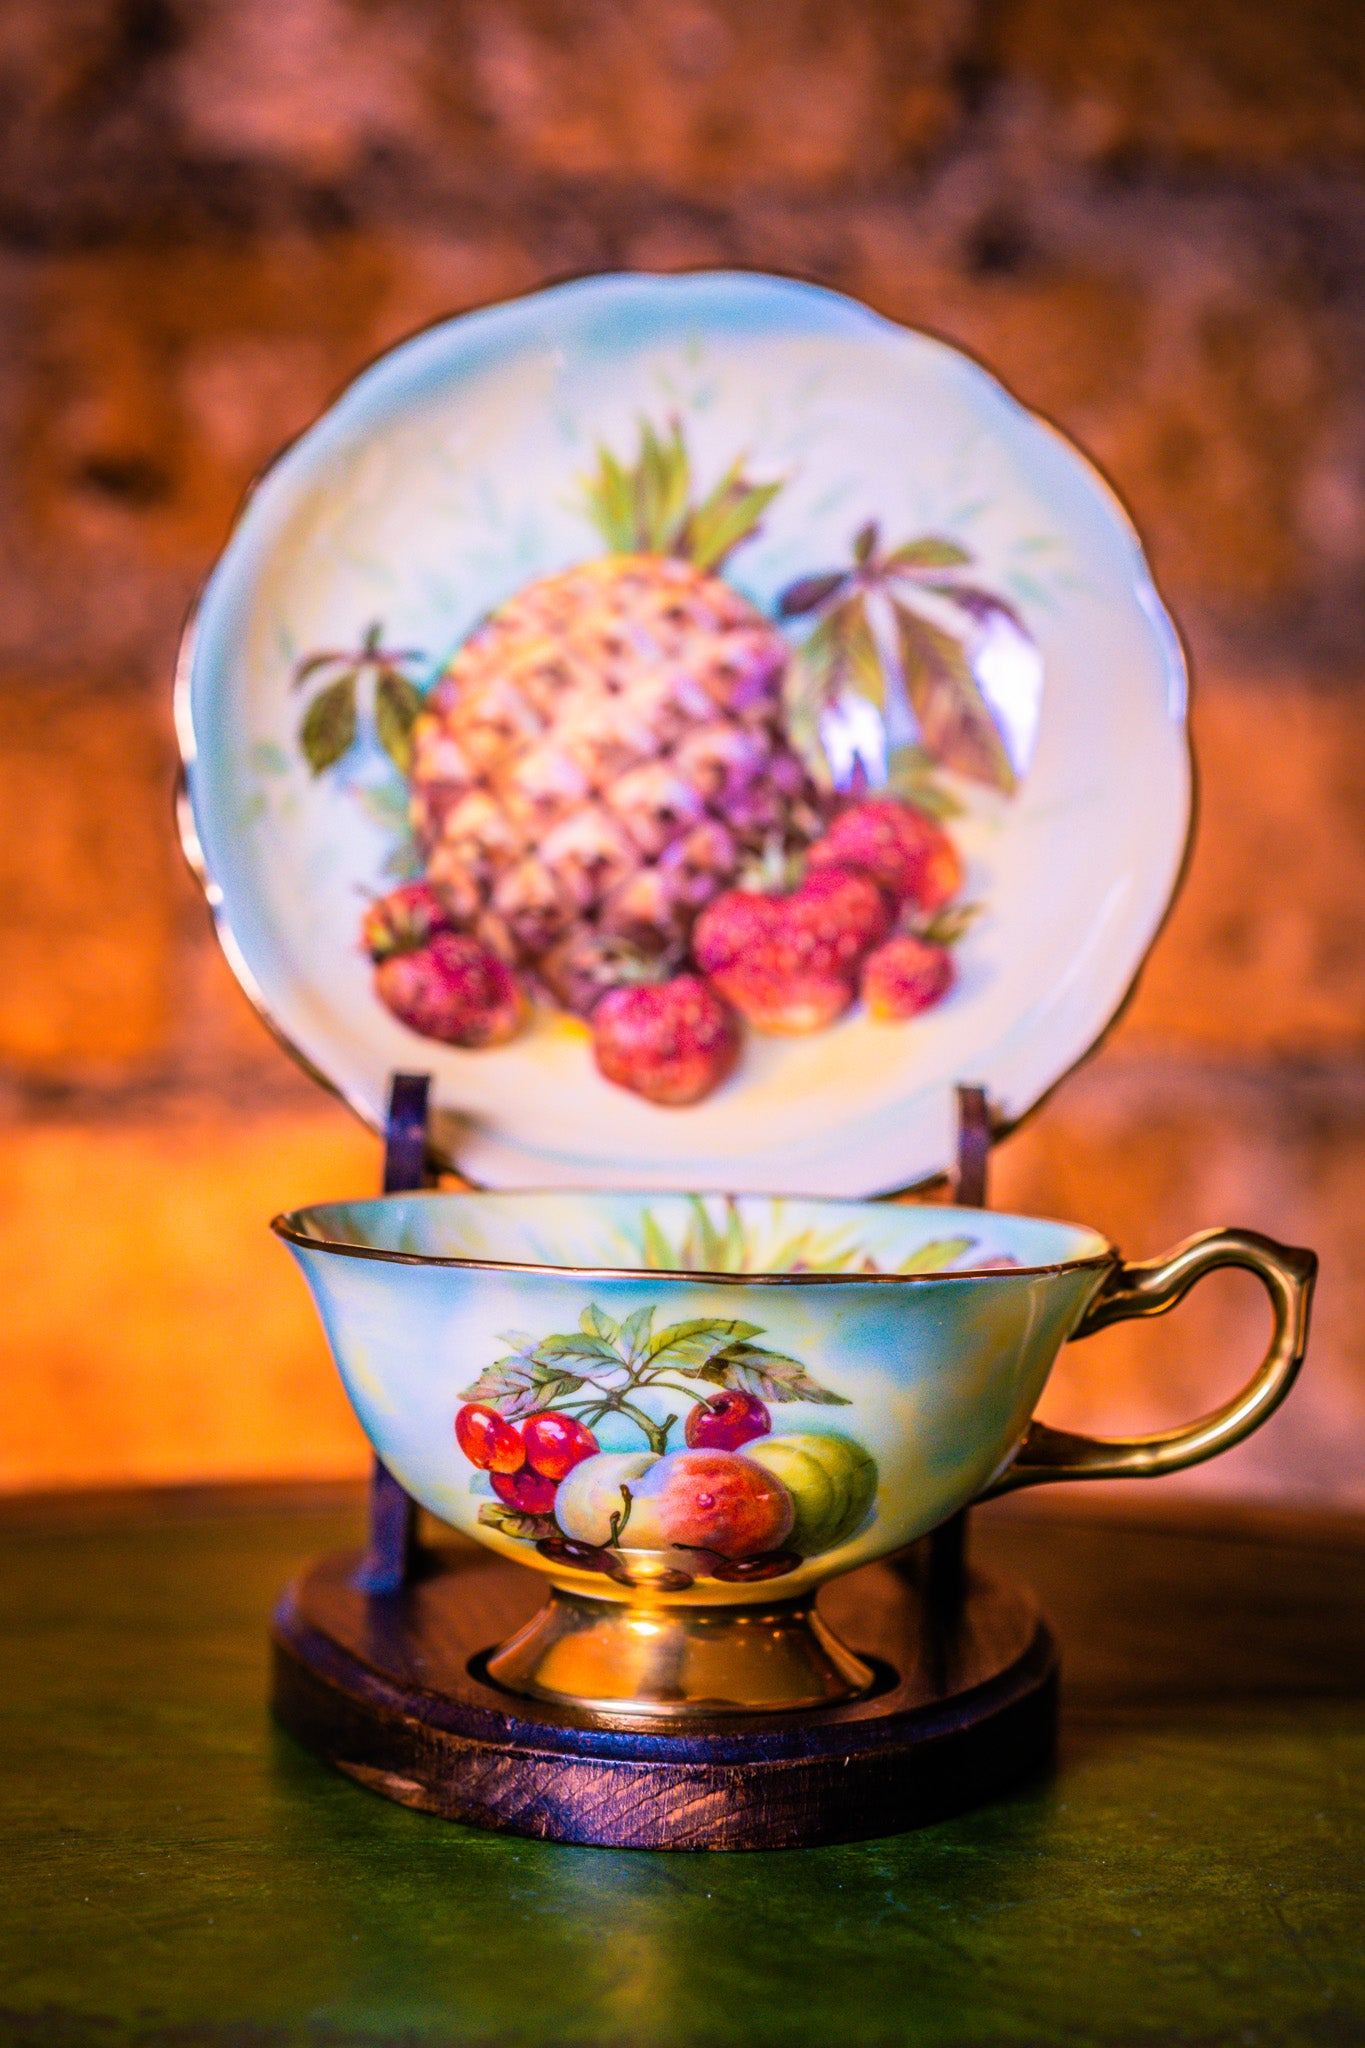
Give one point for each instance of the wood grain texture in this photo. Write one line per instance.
(381, 1686)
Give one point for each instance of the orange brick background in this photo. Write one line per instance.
(1148, 216)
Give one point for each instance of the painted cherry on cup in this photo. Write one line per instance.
(488, 1440)
(556, 1443)
(748, 1571)
(726, 1421)
(526, 1490)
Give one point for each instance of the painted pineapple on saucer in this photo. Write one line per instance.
(633, 798)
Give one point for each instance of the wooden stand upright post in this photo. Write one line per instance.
(945, 1551)
(391, 1553)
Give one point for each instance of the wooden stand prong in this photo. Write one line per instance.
(945, 1550)
(973, 1147)
(392, 1550)
(405, 1134)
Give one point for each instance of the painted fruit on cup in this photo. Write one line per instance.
(718, 1501)
(726, 1422)
(524, 1466)
(832, 1482)
(487, 1441)
(556, 1443)
(732, 1502)
(633, 795)
(596, 1497)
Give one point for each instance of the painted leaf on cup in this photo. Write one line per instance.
(512, 1522)
(934, 1257)
(590, 1350)
(748, 1369)
(704, 1246)
(636, 1337)
(725, 1244)
(520, 1384)
(575, 1349)
(691, 1346)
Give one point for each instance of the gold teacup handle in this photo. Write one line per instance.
(1150, 1288)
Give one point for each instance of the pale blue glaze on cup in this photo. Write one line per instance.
(918, 1378)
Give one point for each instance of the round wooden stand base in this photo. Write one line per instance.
(381, 1685)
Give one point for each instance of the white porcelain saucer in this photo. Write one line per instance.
(448, 476)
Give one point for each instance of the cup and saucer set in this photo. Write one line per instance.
(655, 749)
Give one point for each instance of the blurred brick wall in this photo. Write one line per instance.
(1147, 215)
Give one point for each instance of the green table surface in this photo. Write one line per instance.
(177, 1871)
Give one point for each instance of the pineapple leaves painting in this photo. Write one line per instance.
(647, 508)
(632, 797)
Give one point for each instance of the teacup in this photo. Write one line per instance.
(691, 1411)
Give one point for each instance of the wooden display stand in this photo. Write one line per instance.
(378, 1663)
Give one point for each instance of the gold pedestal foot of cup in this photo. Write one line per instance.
(618, 1657)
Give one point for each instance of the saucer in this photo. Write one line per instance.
(450, 476)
